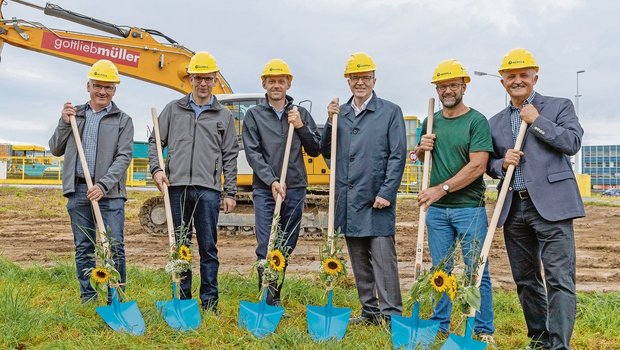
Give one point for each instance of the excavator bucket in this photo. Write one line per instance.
(182, 315)
(466, 342)
(259, 318)
(327, 322)
(412, 333)
(122, 317)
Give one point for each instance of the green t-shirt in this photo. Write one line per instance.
(456, 138)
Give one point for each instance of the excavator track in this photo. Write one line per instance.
(241, 222)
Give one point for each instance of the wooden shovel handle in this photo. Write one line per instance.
(332, 183)
(162, 165)
(276, 212)
(425, 180)
(168, 208)
(501, 198)
(89, 183)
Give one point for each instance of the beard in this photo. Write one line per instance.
(451, 102)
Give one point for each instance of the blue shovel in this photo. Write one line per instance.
(411, 332)
(121, 317)
(259, 318)
(182, 315)
(466, 342)
(327, 322)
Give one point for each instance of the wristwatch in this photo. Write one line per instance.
(445, 187)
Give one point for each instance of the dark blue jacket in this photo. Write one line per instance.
(370, 161)
(264, 139)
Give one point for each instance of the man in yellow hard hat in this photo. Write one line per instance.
(542, 201)
(107, 139)
(202, 144)
(265, 129)
(370, 161)
(460, 144)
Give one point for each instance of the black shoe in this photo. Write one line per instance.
(211, 307)
(89, 299)
(365, 320)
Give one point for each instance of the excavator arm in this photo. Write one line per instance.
(134, 51)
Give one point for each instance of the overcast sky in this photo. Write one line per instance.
(406, 38)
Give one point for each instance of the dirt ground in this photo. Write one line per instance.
(34, 229)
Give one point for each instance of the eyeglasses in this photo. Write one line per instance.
(199, 80)
(453, 87)
(106, 88)
(364, 78)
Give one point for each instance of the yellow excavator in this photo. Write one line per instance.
(137, 54)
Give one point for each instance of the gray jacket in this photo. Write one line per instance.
(264, 140)
(199, 150)
(114, 150)
(370, 161)
(549, 143)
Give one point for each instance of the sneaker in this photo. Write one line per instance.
(488, 339)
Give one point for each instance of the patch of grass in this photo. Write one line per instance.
(40, 309)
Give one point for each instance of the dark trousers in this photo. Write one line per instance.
(549, 306)
(85, 235)
(199, 207)
(290, 221)
(376, 275)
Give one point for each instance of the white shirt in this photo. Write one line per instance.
(357, 110)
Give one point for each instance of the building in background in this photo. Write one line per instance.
(602, 163)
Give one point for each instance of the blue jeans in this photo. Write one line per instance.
(199, 207)
(84, 235)
(549, 303)
(290, 217)
(445, 226)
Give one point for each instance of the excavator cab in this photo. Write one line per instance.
(136, 53)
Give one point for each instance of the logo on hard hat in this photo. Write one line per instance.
(199, 66)
(446, 73)
(272, 69)
(515, 62)
(360, 65)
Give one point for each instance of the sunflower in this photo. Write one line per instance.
(185, 253)
(452, 287)
(439, 281)
(100, 275)
(332, 266)
(276, 260)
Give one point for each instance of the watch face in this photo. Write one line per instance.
(446, 187)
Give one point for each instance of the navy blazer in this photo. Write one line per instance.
(549, 142)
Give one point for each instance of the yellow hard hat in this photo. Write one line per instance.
(201, 63)
(359, 62)
(276, 66)
(104, 70)
(450, 69)
(518, 58)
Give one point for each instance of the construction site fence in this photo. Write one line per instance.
(48, 171)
